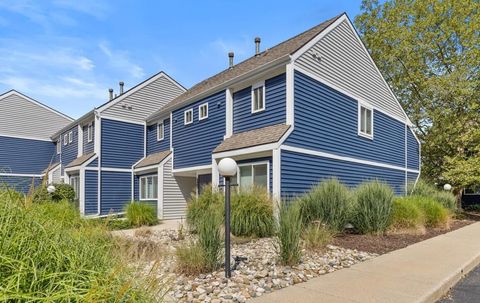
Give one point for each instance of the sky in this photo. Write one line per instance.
(68, 53)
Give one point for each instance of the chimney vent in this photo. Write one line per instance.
(230, 59)
(110, 93)
(121, 87)
(257, 46)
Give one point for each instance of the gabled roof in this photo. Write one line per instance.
(80, 160)
(256, 137)
(153, 159)
(284, 49)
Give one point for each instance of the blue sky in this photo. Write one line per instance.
(67, 53)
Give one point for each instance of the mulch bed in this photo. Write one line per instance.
(386, 243)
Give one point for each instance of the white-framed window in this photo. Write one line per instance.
(90, 132)
(188, 116)
(59, 147)
(365, 121)
(203, 111)
(70, 137)
(65, 138)
(160, 131)
(253, 174)
(148, 187)
(258, 97)
(75, 183)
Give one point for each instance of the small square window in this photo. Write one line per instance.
(365, 121)
(90, 132)
(160, 131)
(258, 97)
(59, 147)
(70, 137)
(65, 138)
(188, 116)
(203, 111)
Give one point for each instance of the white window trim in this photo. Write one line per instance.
(200, 112)
(65, 138)
(70, 137)
(359, 118)
(59, 147)
(76, 179)
(140, 187)
(257, 85)
(185, 116)
(161, 136)
(253, 164)
(90, 132)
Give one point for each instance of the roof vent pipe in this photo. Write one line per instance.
(230, 59)
(257, 46)
(121, 87)
(110, 93)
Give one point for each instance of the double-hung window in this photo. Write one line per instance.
(188, 116)
(75, 183)
(365, 121)
(160, 131)
(65, 138)
(90, 132)
(59, 147)
(258, 97)
(70, 137)
(148, 187)
(203, 111)
(253, 174)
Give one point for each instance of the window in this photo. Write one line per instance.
(203, 111)
(90, 132)
(148, 187)
(59, 147)
(75, 183)
(258, 97)
(70, 137)
(65, 138)
(188, 116)
(365, 121)
(253, 174)
(160, 131)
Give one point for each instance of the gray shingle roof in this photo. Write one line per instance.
(153, 159)
(80, 160)
(259, 136)
(285, 48)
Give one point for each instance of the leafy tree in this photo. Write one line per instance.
(429, 53)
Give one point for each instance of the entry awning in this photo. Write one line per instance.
(153, 159)
(80, 160)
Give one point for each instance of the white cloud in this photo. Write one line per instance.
(120, 60)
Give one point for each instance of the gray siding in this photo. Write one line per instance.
(176, 193)
(345, 64)
(23, 118)
(146, 100)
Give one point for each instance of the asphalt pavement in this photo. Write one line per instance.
(467, 290)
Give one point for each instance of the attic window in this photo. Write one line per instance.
(90, 132)
(203, 111)
(59, 147)
(65, 138)
(160, 131)
(365, 121)
(70, 137)
(188, 116)
(258, 97)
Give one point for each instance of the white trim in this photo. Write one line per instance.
(80, 140)
(98, 151)
(90, 132)
(58, 147)
(81, 200)
(122, 120)
(276, 176)
(160, 197)
(228, 113)
(144, 139)
(145, 168)
(254, 87)
(359, 120)
(114, 169)
(185, 116)
(161, 138)
(200, 118)
(290, 86)
(248, 150)
(406, 160)
(215, 173)
(88, 168)
(338, 89)
(132, 177)
(65, 139)
(342, 158)
(140, 187)
(171, 131)
(253, 172)
(192, 168)
(22, 175)
(25, 137)
(70, 137)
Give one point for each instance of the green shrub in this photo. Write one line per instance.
(329, 202)
(421, 188)
(373, 207)
(190, 259)
(199, 205)
(316, 237)
(435, 214)
(140, 214)
(446, 198)
(407, 214)
(210, 238)
(289, 234)
(252, 213)
(62, 192)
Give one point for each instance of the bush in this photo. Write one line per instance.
(201, 204)
(50, 254)
(329, 202)
(190, 259)
(62, 192)
(435, 214)
(210, 238)
(407, 214)
(316, 237)
(422, 188)
(140, 214)
(252, 213)
(373, 207)
(289, 234)
(446, 198)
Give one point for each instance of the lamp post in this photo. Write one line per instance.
(227, 168)
(51, 189)
(447, 187)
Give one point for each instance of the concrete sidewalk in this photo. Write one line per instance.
(164, 225)
(422, 272)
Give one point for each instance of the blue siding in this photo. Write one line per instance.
(91, 192)
(20, 184)
(327, 120)
(153, 145)
(88, 147)
(412, 177)
(122, 143)
(412, 151)
(275, 106)
(301, 171)
(193, 144)
(116, 191)
(270, 166)
(94, 163)
(24, 156)
(70, 151)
